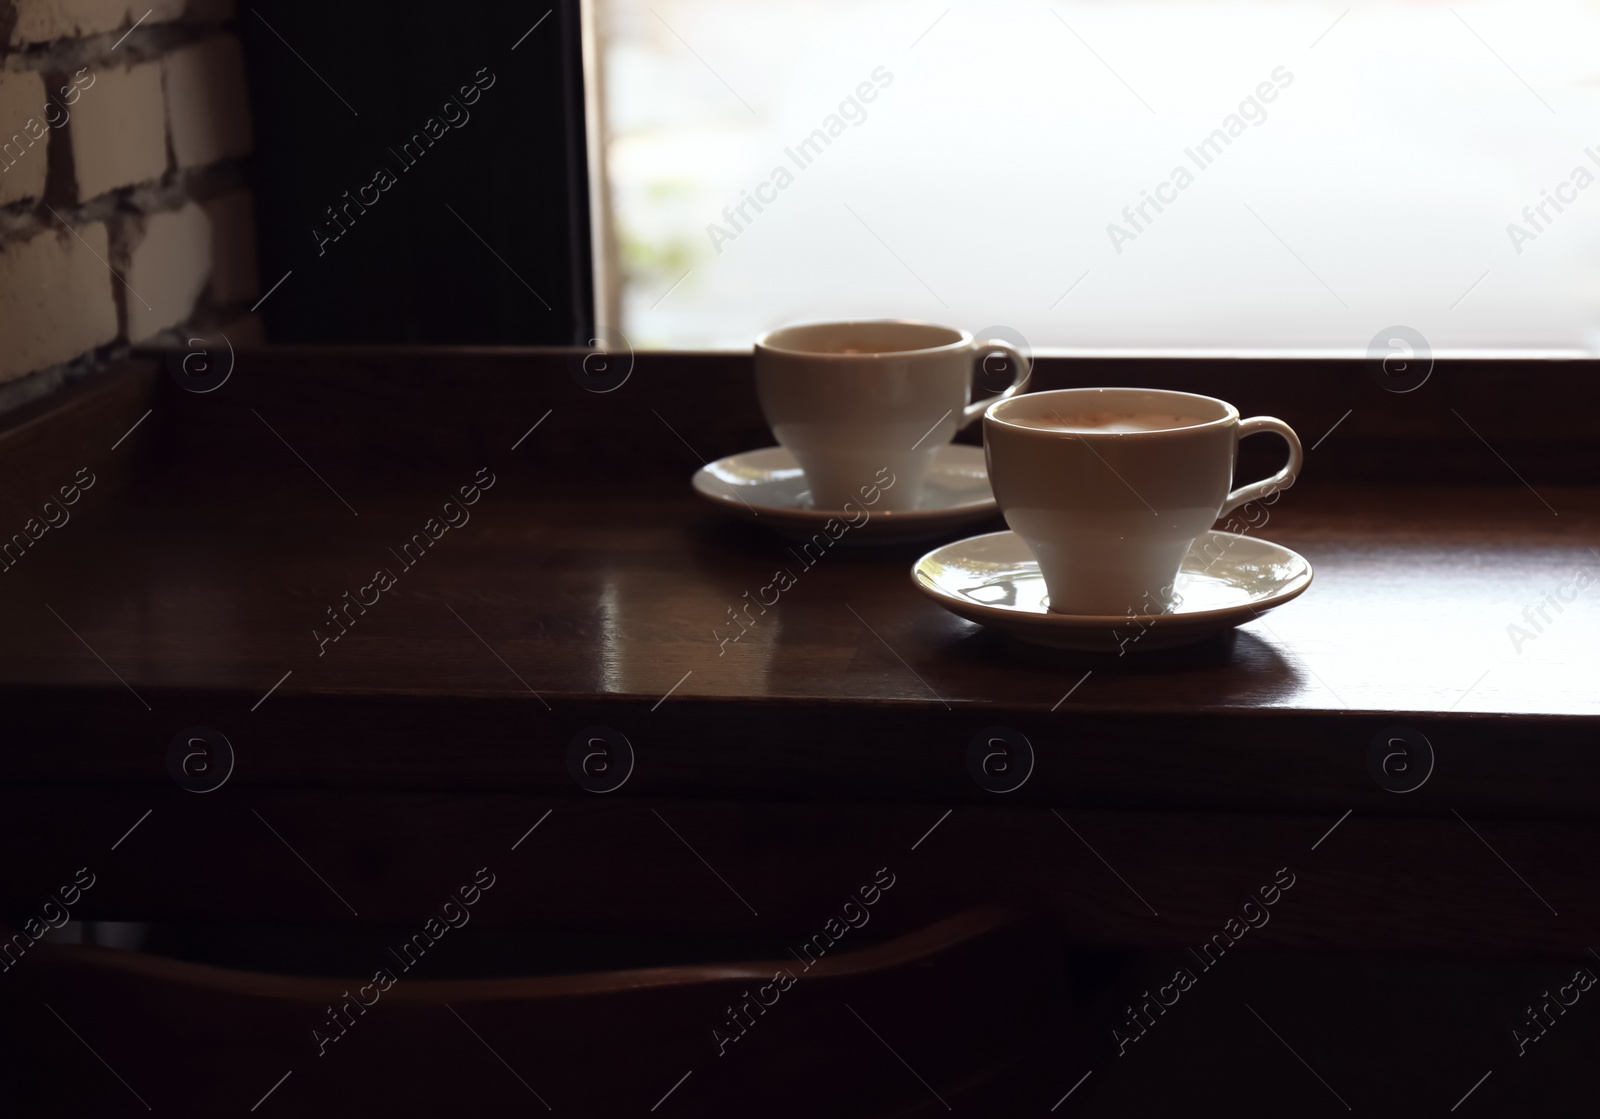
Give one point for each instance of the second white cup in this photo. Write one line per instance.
(851, 399)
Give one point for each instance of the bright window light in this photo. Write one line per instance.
(1199, 176)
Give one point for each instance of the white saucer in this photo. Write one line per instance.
(769, 484)
(995, 581)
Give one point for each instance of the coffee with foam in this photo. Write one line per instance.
(1106, 422)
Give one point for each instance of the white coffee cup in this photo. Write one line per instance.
(851, 399)
(1108, 513)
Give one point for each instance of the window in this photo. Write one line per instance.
(1209, 176)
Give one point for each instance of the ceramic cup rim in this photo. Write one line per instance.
(996, 413)
(767, 342)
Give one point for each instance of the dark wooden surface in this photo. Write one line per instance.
(374, 412)
(776, 871)
(965, 997)
(587, 586)
(601, 607)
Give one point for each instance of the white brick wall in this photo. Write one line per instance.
(41, 21)
(131, 132)
(24, 136)
(207, 105)
(168, 268)
(118, 129)
(55, 299)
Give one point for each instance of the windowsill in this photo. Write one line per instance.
(574, 600)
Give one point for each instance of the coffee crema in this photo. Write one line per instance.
(1108, 422)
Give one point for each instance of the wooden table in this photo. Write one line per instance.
(193, 579)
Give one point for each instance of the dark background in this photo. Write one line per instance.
(408, 270)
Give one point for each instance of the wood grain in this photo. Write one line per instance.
(588, 589)
(541, 617)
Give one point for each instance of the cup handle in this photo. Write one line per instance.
(982, 348)
(1283, 479)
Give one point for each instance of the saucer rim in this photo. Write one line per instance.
(1087, 621)
(973, 509)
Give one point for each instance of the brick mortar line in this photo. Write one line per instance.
(146, 44)
(23, 220)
